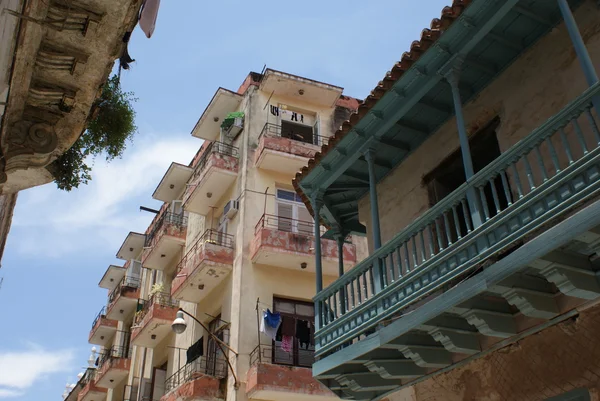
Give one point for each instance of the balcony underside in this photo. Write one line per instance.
(209, 190)
(92, 393)
(103, 332)
(123, 306)
(114, 374)
(163, 252)
(289, 250)
(155, 326)
(535, 286)
(198, 284)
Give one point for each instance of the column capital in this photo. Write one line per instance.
(369, 153)
(451, 71)
(317, 199)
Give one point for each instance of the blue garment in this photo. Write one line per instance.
(272, 319)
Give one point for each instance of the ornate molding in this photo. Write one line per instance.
(28, 144)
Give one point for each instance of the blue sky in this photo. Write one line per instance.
(61, 243)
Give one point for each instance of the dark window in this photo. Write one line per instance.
(297, 132)
(450, 175)
(580, 394)
(299, 317)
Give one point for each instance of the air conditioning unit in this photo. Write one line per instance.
(231, 208)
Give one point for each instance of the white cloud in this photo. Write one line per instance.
(53, 223)
(21, 369)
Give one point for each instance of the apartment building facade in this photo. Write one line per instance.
(472, 168)
(231, 241)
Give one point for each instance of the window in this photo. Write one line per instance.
(450, 174)
(292, 215)
(298, 125)
(580, 394)
(298, 325)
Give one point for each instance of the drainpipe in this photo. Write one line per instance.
(582, 54)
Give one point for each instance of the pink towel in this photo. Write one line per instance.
(286, 343)
(148, 17)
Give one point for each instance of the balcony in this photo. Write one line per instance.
(153, 323)
(103, 329)
(112, 277)
(113, 367)
(204, 267)
(285, 152)
(214, 173)
(164, 241)
(473, 279)
(123, 299)
(197, 380)
(276, 374)
(283, 242)
(90, 391)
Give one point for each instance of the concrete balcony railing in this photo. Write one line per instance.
(123, 299)
(289, 243)
(214, 173)
(551, 172)
(204, 266)
(153, 323)
(276, 374)
(164, 241)
(91, 391)
(103, 329)
(283, 152)
(113, 366)
(198, 380)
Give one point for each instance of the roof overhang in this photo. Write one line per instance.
(300, 88)
(132, 246)
(172, 184)
(111, 277)
(223, 102)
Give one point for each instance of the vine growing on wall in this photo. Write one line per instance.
(108, 132)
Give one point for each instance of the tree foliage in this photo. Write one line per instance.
(108, 133)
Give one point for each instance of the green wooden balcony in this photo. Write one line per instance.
(460, 280)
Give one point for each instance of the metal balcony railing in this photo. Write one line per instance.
(286, 224)
(179, 220)
(112, 353)
(214, 148)
(209, 236)
(543, 173)
(100, 315)
(275, 354)
(213, 365)
(159, 298)
(126, 282)
(271, 129)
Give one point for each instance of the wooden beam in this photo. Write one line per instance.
(436, 106)
(378, 162)
(347, 187)
(508, 42)
(412, 129)
(357, 177)
(396, 369)
(482, 66)
(533, 15)
(396, 144)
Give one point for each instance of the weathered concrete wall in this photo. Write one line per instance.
(557, 360)
(530, 91)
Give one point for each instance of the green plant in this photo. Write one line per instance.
(112, 125)
(157, 288)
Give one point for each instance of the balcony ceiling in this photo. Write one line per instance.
(172, 184)
(111, 277)
(132, 246)
(492, 35)
(223, 102)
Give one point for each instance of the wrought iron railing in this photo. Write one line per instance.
(209, 236)
(548, 172)
(214, 148)
(100, 315)
(271, 129)
(113, 353)
(214, 365)
(286, 224)
(129, 282)
(276, 354)
(178, 220)
(159, 298)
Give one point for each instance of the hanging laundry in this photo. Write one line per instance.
(301, 118)
(303, 333)
(275, 110)
(286, 343)
(270, 323)
(288, 326)
(148, 16)
(294, 116)
(195, 351)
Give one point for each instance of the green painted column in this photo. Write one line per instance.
(317, 203)
(375, 226)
